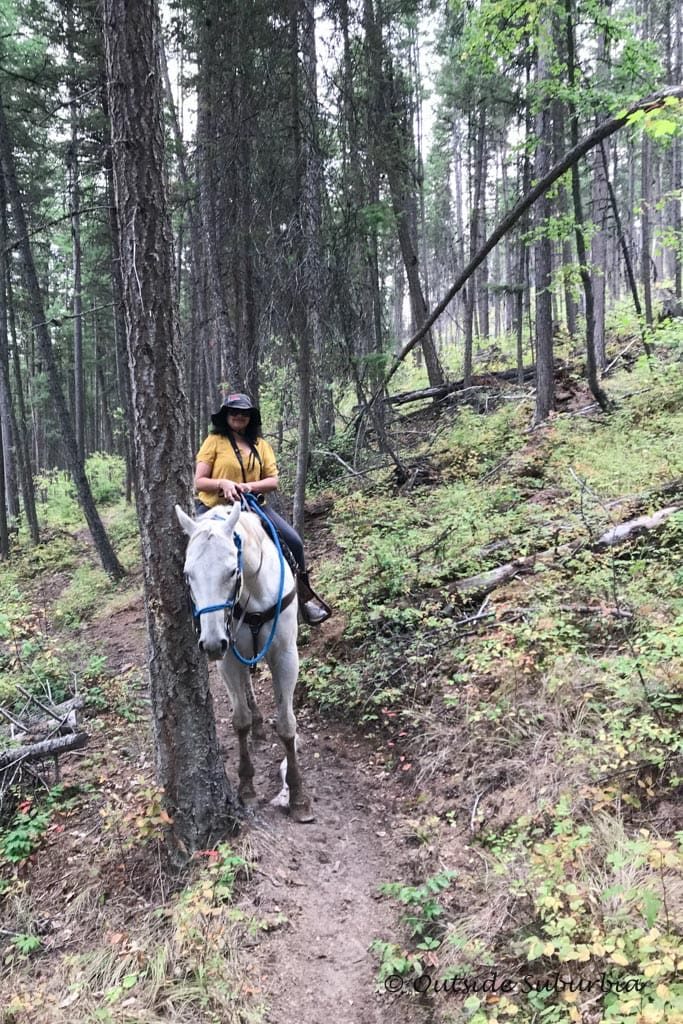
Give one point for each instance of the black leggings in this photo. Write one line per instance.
(287, 532)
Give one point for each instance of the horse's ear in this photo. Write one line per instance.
(231, 521)
(188, 525)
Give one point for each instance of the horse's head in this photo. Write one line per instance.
(212, 567)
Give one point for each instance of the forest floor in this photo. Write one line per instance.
(495, 773)
(308, 897)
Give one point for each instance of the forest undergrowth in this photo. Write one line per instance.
(537, 724)
(534, 728)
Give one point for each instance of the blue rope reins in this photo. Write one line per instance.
(230, 604)
(253, 504)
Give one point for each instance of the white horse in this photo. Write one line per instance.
(232, 566)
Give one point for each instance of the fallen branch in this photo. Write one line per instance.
(338, 458)
(444, 390)
(621, 354)
(487, 581)
(634, 528)
(58, 718)
(39, 751)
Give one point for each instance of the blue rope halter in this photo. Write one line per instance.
(231, 602)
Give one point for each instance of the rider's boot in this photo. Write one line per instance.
(313, 609)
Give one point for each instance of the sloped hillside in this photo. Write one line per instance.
(491, 727)
(520, 655)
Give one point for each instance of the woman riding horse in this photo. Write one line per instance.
(235, 459)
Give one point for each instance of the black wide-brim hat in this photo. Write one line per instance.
(237, 401)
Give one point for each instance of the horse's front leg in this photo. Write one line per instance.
(284, 667)
(258, 731)
(236, 677)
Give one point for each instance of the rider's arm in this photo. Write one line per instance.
(203, 481)
(269, 483)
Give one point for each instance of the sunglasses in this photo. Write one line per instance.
(239, 412)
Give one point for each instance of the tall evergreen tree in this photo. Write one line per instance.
(189, 762)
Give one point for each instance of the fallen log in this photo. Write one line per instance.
(483, 583)
(39, 751)
(59, 719)
(634, 528)
(60, 715)
(443, 390)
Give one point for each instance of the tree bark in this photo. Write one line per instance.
(189, 762)
(398, 154)
(4, 535)
(7, 418)
(307, 231)
(591, 360)
(18, 419)
(75, 214)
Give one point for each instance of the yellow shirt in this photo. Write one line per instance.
(219, 454)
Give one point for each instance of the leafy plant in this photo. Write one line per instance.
(82, 596)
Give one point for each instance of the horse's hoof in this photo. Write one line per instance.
(301, 812)
(247, 794)
(258, 734)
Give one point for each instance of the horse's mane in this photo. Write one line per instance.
(251, 526)
(248, 525)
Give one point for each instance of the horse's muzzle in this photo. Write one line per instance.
(214, 652)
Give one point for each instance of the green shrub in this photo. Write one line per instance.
(82, 596)
(106, 476)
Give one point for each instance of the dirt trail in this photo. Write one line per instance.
(322, 880)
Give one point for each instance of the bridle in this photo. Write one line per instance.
(255, 620)
(229, 605)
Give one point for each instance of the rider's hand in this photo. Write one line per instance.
(229, 490)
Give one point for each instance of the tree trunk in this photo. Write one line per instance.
(4, 535)
(545, 378)
(18, 419)
(120, 348)
(599, 256)
(591, 361)
(308, 216)
(75, 214)
(189, 762)
(222, 330)
(398, 155)
(599, 241)
(677, 148)
(102, 543)
(7, 420)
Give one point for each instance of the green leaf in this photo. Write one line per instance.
(651, 907)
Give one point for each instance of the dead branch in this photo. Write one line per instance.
(487, 581)
(58, 718)
(39, 751)
(634, 528)
(444, 390)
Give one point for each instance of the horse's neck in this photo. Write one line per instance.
(262, 574)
